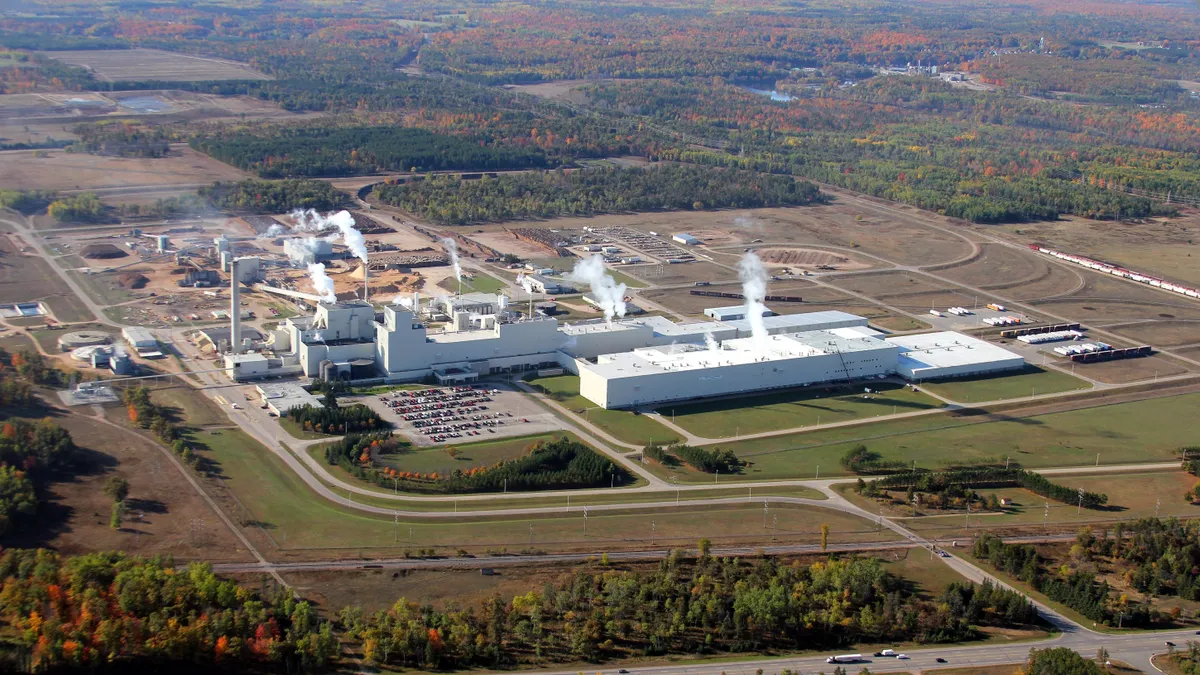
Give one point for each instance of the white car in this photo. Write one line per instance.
(237, 407)
(902, 656)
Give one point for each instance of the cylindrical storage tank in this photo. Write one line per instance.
(83, 338)
(327, 370)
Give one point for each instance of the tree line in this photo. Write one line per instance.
(987, 476)
(289, 151)
(452, 201)
(261, 196)
(108, 612)
(700, 459)
(336, 420)
(1078, 589)
(560, 463)
(709, 606)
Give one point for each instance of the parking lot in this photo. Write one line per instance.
(438, 415)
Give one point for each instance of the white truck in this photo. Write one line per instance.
(845, 658)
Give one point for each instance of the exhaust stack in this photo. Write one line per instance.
(235, 310)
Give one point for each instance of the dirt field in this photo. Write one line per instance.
(1164, 333)
(26, 278)
(1130, 370)
(153, 64)
(71, 171)
(809, 258)
(998, 266)
(1166, 247)
(688, 273)
(886, 284)
(168, 516)
(507, 243)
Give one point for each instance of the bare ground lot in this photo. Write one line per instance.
(816, 298)
(1163, 333)
(998, 266)
(26, 278)
(114, 65)
(167, 515)
(1131, 370)
(687, 273)
(1057, 280)
(72, 171)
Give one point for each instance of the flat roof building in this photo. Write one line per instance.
(281, 397)
(798, 323)
(685, 238)
(932, 356)
(731, 313)
(655, 375)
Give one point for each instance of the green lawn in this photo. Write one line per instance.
(621, 424)
(296, 431)
(481, 283)
(1007, 386)
(725, 418)
(468, 455)
(296, 518)
(1140, 431)
(1130, 496)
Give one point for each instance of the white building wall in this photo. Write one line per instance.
(912, 369)
(678, 385)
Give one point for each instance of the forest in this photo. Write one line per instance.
(1076, 587)
(282, 196)
(560, 463)
(336, 420)
(33, 454)
(288, 152)
(707, 606)
(102, 610)
(453, 201)
(700, 459)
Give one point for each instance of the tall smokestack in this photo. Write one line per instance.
(235, 310)
(366, 282)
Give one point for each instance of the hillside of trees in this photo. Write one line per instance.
(103, 610)
(714, 606)
(452, 201)
(286, 152)
(335, 420)
(261, 196)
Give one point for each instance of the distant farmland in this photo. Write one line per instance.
(130, 65)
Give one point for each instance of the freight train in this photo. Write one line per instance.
(739, 296)
(1108, 268)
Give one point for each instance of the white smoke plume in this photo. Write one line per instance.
(754, 288)
(321, 282)
(607, 292)
(274, 231)
(710, 343)
(314, 222)
(404, 300)
(748, 222)
(302, 250)
(452, 250)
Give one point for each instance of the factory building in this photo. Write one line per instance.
(732, 313)
(654, 375)
(338, 342)
(537, 283)
(305, 251)
(142, 341)
(685, 239)
(797, 323)
(933, 356)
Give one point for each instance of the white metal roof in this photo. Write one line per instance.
(948, 349)
(738, 351)
(804, 321)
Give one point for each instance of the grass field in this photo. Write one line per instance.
(1007, 385)
(1140, 431)
(725, 418)
(622, 425)
(279, 502)
(296, 431)
(469, 455)
(480, 283)
(1130, 496)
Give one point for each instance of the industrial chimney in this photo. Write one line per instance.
(235, 310)
(366, 282)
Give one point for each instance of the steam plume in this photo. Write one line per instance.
(607, 292)
(452, 250)
(321, 282)
(710, 342)
(754, 288)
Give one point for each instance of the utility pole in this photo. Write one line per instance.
(764, 514)
(585, 521)
(1079, 509)
(1046, 517)
(717, 475)
(396, 517)
(1157, 503)
(774, 526)
(531, 534)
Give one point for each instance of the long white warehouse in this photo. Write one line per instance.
(932, 356)
(654, 375)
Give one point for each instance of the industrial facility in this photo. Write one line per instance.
(933, 356)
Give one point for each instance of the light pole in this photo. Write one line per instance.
(396, 517)
(531, 534)
(675, 480)
(764, 514)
